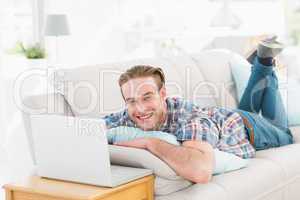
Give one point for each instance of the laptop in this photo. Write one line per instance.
(76, 149)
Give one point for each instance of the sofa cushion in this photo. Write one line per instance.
(209, 191)
(287, 157)
(164, 186)
(214, 65)
(260, 177)
(93, 90)
(194, 86)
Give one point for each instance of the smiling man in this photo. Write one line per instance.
(200, 130)
(148, 108)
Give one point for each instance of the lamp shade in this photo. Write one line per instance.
(225, 17)
(57, 25)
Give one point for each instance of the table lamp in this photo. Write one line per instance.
(225, 17)
(56, 25)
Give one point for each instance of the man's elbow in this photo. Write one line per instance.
(203, 177)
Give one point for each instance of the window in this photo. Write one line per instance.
(293, 19)
(17, 23)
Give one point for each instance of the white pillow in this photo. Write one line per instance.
(241, 70)
(133, 157)
(127, 156)
(225, 162)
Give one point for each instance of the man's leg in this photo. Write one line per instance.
(262, 92)
(271, 130)
(272, 106)
(266, 134)
(252, 98)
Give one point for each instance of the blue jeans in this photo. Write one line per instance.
(262, 96)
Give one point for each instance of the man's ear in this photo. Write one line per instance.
(163, 92)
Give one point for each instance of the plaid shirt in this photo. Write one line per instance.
(222, 128)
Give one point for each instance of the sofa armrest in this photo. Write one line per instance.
(296, 133)
(52, 104)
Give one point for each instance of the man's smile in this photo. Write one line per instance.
(144, 116)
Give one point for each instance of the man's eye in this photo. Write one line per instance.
(147, 98)
(130, 102)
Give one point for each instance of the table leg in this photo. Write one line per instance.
(8, 194)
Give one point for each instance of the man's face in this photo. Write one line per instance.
(145, 103)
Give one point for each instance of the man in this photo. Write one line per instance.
(200, 130)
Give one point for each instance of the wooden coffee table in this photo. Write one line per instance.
(36, 188)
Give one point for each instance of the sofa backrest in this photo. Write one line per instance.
(204, 78)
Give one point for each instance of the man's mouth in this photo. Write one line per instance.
(144, 116)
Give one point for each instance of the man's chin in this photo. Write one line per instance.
(146, 127)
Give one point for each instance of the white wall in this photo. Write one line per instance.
(113, 30)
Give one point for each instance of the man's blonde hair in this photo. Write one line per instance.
(139, 71)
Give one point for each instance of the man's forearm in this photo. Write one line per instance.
(190, 163)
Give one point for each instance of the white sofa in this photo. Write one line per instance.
(93, 91)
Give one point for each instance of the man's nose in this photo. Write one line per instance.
(140, 107)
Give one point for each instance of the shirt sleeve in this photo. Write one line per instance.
(117, 119)
(198, 129)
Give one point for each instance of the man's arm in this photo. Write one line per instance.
(194, 160)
